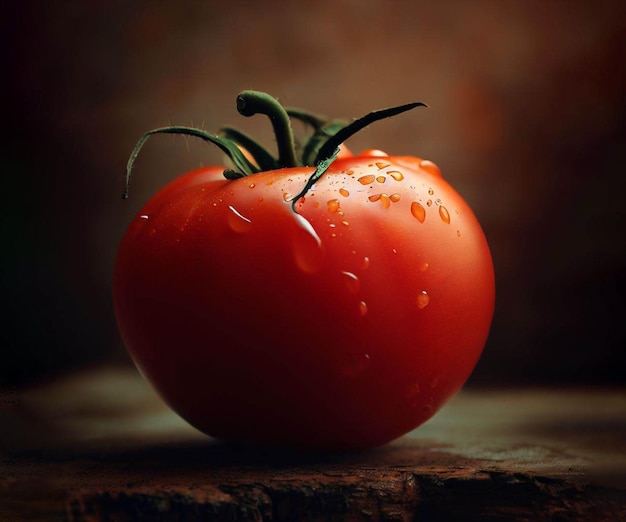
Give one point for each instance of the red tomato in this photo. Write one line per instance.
(341, 322)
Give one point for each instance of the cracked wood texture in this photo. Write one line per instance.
(100, 446)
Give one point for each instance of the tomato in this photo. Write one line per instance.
(339, 317)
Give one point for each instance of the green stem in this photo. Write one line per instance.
(320, 137)
(322, 167)
(320, 150)
(346, 132)
(228, 146)
(264, 159)
(250, 103)
(317, 121)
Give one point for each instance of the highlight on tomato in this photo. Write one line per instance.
(306, 299)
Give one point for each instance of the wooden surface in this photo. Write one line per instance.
(100, 446)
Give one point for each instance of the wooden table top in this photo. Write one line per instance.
(100, 446)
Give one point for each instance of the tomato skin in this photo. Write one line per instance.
(342, 326)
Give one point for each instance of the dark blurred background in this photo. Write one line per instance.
(526, 120)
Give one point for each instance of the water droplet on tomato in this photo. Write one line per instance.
(237, 222)
(366, 180)
(345, 193)
(365, 263)
(418, 211)
(381, 164)
(430, 167)
(333, 205)
(374, 152)
(252, 185)
(143, 216)
(429, 203)
(431, 191)
(287, 197)
(381, 179)
(395, 198)
(423, 299)
(374, 197)
(352, 282)
(354, 365)
(444, 214)
(345, 223)
(412, 391)
(385, 200)
(307, 246)
(398, 176)
(423, 267)
(363, 308)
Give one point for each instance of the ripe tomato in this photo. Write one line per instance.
(338, 318)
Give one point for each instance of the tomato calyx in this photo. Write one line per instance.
(249, 157)
(319, 172)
